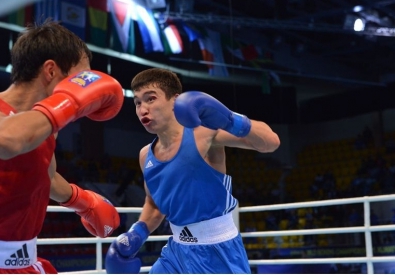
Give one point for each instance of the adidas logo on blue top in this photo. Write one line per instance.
(186, 236)
(149, 164)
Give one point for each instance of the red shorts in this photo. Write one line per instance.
(42, 266)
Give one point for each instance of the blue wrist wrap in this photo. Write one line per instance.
(141, 228)
(241, 125)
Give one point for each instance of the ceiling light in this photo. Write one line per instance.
(357, 9)
(128, 93)
(359, 24)
(8, 69)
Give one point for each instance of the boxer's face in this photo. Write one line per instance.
(153, 109)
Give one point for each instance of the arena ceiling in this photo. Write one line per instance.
(313, 45)
(314, 49)
(312, 42)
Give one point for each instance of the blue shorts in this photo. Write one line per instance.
(221, 258)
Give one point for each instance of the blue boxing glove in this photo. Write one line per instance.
(197, 108)
(120, 258)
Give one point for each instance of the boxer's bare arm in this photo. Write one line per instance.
(22, 132)
(150, 213)
(121, 256)
(97, 214)
(60, 188)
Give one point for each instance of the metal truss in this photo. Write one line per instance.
(271, 24)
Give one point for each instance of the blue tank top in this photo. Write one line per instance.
(186, 189)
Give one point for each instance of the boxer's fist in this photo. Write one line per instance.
(89, 93)
(197, 108)
(98, 215)
(116, 264)
(120, 257)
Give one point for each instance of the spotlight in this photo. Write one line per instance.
(351, 21)
(359, 24)
(128, 93)
(357, 9)
(8, 69)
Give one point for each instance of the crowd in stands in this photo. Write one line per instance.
(374, 175)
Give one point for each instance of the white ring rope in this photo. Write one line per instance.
(369, 259)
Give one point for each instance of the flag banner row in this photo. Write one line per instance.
(119, 24)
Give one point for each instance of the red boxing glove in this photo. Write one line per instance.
(89, 93)
(98, 215)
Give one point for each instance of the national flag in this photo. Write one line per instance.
(47, 9)
(172, 41)
(150, 32)
(250, 52)
(98, 22)
(264, 58)
(192, 32)
(22, 16)
(268, 77)
(210, 45)
(71, 13)
(73, 17)
(243, 51)
(275, 77)
(123, 24)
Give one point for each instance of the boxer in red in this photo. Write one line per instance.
(52, 85)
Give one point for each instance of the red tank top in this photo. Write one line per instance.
(24, 189)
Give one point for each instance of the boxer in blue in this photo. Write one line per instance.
(185, 179)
